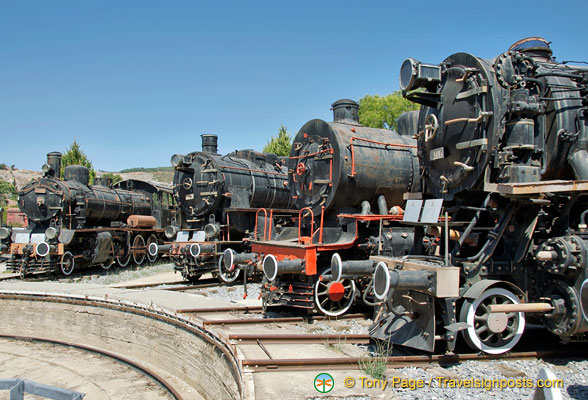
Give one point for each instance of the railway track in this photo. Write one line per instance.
(256, 346)
(213, 318)
(154, 376)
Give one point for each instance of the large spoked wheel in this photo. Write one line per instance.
(139, 250)
(334, 298)
(67, 263)
(107, 264)
(151, 258)
(226, 274)
(492, 333)
(123, 260)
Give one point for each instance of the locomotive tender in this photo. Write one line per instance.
(219, 196)
(503, 143)
(339, 171)
(74, 224)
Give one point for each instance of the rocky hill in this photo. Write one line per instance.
(20, 177)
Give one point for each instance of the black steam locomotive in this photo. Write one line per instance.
(219, 197)
(503, 146)
(338, 173)
(74, 224)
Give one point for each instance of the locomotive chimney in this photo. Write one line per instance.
(209, 143)
(54, 163)
(345, 111)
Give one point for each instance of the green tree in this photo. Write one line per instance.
(279, 144)
(7, 192)
(75, 156)
(116, 178)
(382, 111)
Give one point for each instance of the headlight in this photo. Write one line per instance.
(414, 74)
(51, 232)
(171, 231)
(177, 160)
(5, 232)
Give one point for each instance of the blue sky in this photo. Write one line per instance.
(137, 81)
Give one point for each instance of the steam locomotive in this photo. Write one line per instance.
(73, 224)
(338, 172)
(219, 197)
(503, 152)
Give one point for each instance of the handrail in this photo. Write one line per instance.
(321, 227)
(264, 222)
(300, 222)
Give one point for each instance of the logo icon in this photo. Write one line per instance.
(324, 383)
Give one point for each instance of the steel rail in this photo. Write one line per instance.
(242, 321)
(252, 338)
(218, 309)
(146, 285)
(394, 361)
(123, 360)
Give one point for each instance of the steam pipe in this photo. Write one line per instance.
(366, 208)
(382, 206)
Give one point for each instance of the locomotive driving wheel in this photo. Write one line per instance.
(107, 264)
(123, 260)
(227, 275)
(492, 333)
(67, 263)
(334, 298)
(139, 250)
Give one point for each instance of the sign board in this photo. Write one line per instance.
(431, 211)
(182, 236)
(413, 210)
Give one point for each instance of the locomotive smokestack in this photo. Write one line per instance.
(209, 143)
(54, 163)
(345, 111)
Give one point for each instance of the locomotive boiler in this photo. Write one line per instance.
(338, 165)
(338, 173)
(219, 196)
(503, 144)
(74, 223)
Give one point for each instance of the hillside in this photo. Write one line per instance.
(21, 177)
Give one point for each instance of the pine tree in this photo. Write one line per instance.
(75, 156)
(280, 144)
